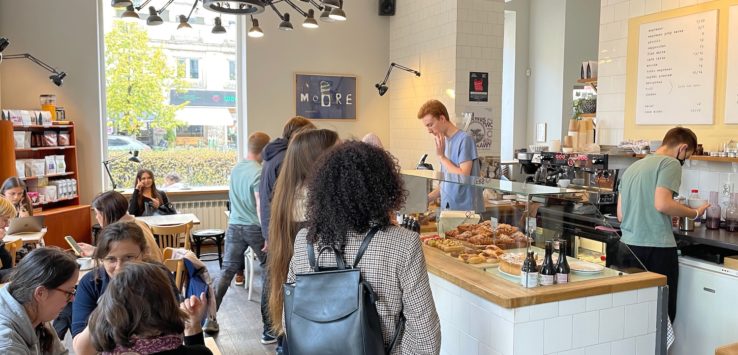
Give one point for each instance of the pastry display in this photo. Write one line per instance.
(483, 234)
(511, 263)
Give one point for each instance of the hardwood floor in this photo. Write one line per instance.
(239, 319)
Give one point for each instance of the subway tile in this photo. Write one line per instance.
(527, 338)
(651, 6)
(624, 298)
(683, 3)
(611, 324)
(544, 311)
(636, 319)
(637, 7)
(646, 344)
(607, 14)
(647, 294)
(577, 305)
(599, 349)
(480, 323)
(595, 303)
(708, 182)
(557, 333)
(669, 4)
(621, 11)
(623, 347)
(468, 344)
(586, 328)
(652, 312)
(572, 352)
(486, 350)
(450, 338)
(502, 338)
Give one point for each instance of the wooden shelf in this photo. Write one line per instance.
(47, 176)
(57, 201)
(587, 81)
(38, 149)
(590, 115)
(38, 126)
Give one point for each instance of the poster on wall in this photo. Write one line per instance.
(325, 96)
(482, 130)
(676, 70)
(478, 85)
(731, 83)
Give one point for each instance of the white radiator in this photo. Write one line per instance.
(211, 213)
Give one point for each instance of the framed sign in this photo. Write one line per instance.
(324, 96)
(478, 85)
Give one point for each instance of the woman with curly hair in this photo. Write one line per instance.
(353, 188)
(288, 210)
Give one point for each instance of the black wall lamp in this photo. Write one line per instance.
(57, 77)
(382, 87)
(133, 158)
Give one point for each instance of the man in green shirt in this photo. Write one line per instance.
(646, 205)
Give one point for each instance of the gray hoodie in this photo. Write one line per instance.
(17, 336)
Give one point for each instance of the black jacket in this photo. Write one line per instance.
(193, 345)
(138, 211)
(273, 157)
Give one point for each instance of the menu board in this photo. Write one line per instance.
(676, 70)
(731, 83)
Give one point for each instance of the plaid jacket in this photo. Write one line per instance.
(394, 265)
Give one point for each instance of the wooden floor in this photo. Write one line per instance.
(239, 319)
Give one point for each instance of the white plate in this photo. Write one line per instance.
(583, 267)
(506, 274)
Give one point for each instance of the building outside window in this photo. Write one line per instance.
(170, 94)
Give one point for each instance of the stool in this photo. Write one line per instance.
(248, 260)
(215, 235)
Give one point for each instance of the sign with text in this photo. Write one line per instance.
(210, 98)
(478, 85)
(325, 96)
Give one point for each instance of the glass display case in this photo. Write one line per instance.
(519, 218)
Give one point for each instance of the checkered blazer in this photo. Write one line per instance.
(394, 265)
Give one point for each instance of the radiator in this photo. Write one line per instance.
(211, 213)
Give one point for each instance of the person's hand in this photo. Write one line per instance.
(195, 308)
(156, 203)
(440, 145)
(87, 250)
(139, 185)
(266, 246)
(701, 210)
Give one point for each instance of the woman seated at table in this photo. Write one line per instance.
(140, 314)
(14, 189)
(7, 212)
(119, 244)
(145, 192)
(42, 285)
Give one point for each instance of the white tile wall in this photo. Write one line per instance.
(620, 323)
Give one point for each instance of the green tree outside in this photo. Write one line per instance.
(137, 79)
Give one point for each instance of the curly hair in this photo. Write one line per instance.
(353, 187)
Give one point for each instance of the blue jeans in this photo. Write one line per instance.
(240, 237)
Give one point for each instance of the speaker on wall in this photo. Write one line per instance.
(386, 7)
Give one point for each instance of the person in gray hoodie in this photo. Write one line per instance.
(43, 283)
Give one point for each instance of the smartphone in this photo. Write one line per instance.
(72, 243)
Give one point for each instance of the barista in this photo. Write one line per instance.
(458, 155)
(646, 204)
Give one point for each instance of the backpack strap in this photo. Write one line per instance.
(365, 244)
(314, 261)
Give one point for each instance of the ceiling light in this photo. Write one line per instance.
(286, 25)
(332, 3)
(338, 14)
(154, 19)
(218, 27)
(255, 30)
(130, 14)
(310, 20)
(325, 15)
(237, 7)
(121, 3)
(183, 22)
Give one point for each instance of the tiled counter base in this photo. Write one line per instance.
(619, 323)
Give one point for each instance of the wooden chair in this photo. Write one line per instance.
(174, 236)
(12, 249)
(176, 266)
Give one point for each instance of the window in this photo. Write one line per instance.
(158, 103)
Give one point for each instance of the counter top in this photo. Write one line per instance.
(511, 295)
(714, 237)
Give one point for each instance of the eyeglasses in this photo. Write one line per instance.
(111, 260)
(70, 294)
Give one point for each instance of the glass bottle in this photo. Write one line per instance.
(562, 267)
(529, 271)
(548, 269)
(731, 215)
(713, 212)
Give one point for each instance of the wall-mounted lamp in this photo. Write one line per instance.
(382, 87)
(57, 77)
(133, 158)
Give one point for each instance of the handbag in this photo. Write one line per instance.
(165, 209)
(333, 311)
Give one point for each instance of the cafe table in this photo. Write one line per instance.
(35, 238)
(171, 219)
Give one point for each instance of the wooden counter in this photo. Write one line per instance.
(511, 295)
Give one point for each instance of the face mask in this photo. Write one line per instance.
(681, 161)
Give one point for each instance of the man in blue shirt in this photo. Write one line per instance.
(458, 155)
(244, 229)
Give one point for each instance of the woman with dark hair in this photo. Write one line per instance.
(119, 244)
(14, 189)
(393, 264)
(145, 192)
(7, 212)
(288, 210)
(39, 289)
(140, 314)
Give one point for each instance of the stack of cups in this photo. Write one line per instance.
(572, 139)
(555, 145)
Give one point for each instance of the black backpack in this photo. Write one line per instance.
(333, 311)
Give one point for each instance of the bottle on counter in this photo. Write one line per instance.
(713, 212)
(548, 269)
(692, 202)
(529, 271)
(731, 215)
(562, 267)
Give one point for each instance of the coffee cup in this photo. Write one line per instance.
(84, 263)
(564, 183)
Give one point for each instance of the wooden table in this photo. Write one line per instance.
(171, 219)
(36, 238)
